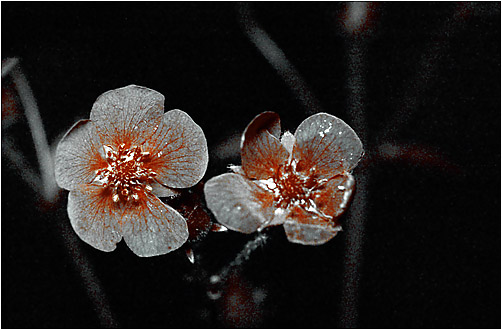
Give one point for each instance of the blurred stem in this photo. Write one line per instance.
(277, 59)
(90, 281)
(240, 258)
(8, 65)
(21, 165)
(357, 215)
(46, 185)
(38, 134)
(50, 188)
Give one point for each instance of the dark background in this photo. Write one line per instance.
(431, 254)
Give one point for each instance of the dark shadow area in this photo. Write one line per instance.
(431, 253)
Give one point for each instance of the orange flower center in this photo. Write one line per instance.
(126, 174)
(293, 188)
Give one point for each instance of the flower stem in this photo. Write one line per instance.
(220, 278)
(357, 214)
(278, 60)
(44, 156)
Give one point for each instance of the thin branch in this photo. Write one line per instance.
(355, 224)
(276, 57)
(37, 130)
(8, 65)
(21, 165)
(91, 282)
(242, 256)
(46, 185)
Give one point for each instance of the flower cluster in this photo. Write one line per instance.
(301, 181)
(129, 153)
(117, 164)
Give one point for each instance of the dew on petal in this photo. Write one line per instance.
(305, 228)
(318, 145)
(335, 194)
(302, 181)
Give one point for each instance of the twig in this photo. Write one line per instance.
(50, 188)
(357, 215)
(21, 165)
(46, 185)
(276, 57)
(91, 282)
(8, 65)
(241, 257)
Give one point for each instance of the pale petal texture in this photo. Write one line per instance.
(179, 151)
(94, 217)
(306, 228)
(129, 115)
(78, 156)
(332, 199)
(162, 191)
(238, 203)
(327, 144)
(152, 228)
(302, 181)
(139, 154)
(261, 150)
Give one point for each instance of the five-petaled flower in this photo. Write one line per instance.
(119, 162)
(302, 181)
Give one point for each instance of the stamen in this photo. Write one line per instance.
(126, 174)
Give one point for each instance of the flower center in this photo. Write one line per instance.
(291, 187)
(126, 174)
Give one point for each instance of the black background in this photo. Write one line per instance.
(432, 243)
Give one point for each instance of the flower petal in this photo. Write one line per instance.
(333, 198)
(288, 141)
(238, 203)
(152, 228)
(327, 144)
(179, 151)
(162, 191)
(94, 217)
(128, 115)
(78, 156)
(306, 228)
(261, 151)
